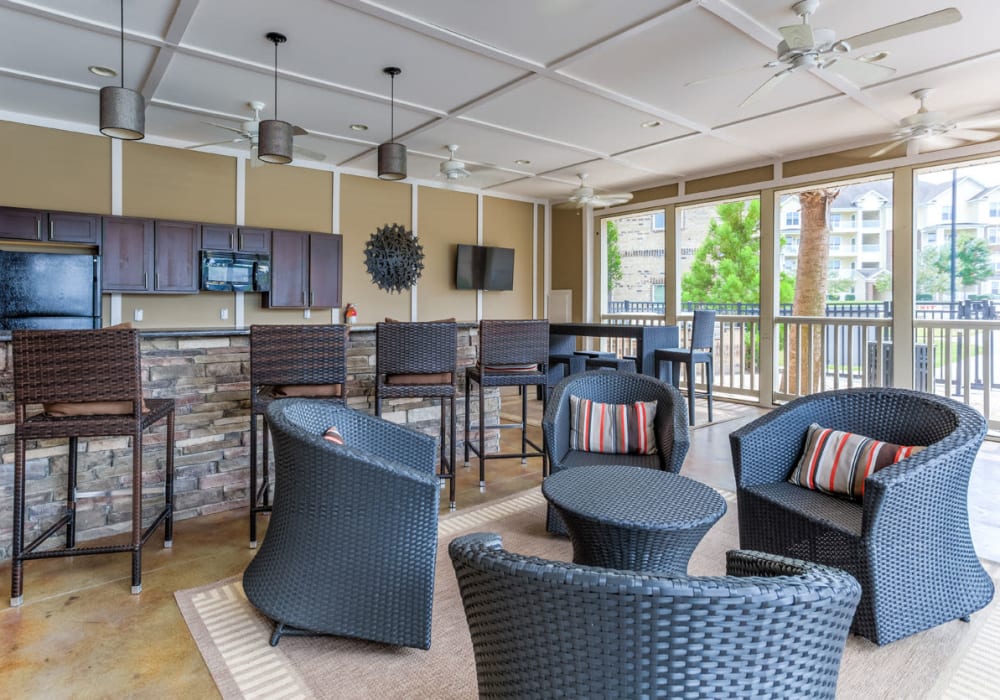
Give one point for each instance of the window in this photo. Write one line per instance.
(835, 220)
(658, 296)
(995, 209)
(658, 221)
(931, 237)
(945, 212)
(834, 265)
(792, 219)
(834, 242)
(993, 234)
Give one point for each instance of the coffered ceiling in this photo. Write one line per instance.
(566, 85)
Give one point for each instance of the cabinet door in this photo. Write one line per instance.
(127, 255)
(175, 257)
(325, 252)
(289, 269)
(218, 237)
(74, 228)
(21, 223)
(254, 240)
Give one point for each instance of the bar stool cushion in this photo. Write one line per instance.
(510, 368)
(61, 409)
(308, 390)
(420, 379)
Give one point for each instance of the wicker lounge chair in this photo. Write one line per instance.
(352, 542)
(908, 542)
(773, 627)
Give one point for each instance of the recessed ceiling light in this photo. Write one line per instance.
(103, 71)
(359, 127)
(651, 124)
(522, 161)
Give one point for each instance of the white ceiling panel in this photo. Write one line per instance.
(420, 167)
(28, 42)
(537, 187)
(149, 17)
(610, 174)
(494, 147)
(78, 106)
(556, 27)
(348, 48)
(692, 155)
(567, 114)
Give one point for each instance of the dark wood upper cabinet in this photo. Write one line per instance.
(305, 270)
(127, 255)
(289, 270)
(175, 257)
(24, 224)
(216, 237)
(74, 228)
(325, 255)
(254, 240)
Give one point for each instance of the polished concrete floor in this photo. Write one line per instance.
(81, 634)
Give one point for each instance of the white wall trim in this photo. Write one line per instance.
(587, 244)
(534, 261)
(239, 298)
(335, 314)
(479, 241)
(116, 309)
(547, 262)
(116, 177)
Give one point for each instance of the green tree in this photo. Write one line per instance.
(615, 273)
(972, 265)
(726, 267)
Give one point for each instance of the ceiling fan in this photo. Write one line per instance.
(248, 131)
(584, 195)
(451, 169)
(804, 47)
(934, 130)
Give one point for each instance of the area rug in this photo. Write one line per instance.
(955, 660)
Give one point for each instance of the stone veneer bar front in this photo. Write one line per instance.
(207, 373)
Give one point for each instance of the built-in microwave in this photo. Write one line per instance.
(222, 271)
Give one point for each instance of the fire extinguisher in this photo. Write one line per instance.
(351, 314)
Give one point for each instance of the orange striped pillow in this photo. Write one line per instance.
(612, 428)
(837, 462)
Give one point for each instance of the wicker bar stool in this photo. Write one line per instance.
(89, 384)
(511, 353)
(420, 360)
(285, 361)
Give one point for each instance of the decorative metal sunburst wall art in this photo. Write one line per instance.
(394, 258)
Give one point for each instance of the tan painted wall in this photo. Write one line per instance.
(734, 179)
(661, 192)
(365, 205)
(50, 169)
(507, 224)
(567, 257)
(278, 196)
(445, 219)
(177, 310)
(172, 183)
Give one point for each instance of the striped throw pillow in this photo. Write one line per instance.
(612, 428)
(333, 435)
(838, 462)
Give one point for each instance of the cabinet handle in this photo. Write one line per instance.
(38, 229)
(303, 297)
(312, 298)
(231, 239)
(157, 280)
(145, 280)
(52, 229)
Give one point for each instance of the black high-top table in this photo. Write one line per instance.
(647, 338)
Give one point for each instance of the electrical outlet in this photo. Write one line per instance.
(137, 316)
(307, 314)
(224, 314)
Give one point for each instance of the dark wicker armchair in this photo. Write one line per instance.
(352, 542)
(671, 424)
(773, 627)
(908, 542)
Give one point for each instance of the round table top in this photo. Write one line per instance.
(634, 497)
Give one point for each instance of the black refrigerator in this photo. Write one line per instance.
(49, 290)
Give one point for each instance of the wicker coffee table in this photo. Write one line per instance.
(631, 518)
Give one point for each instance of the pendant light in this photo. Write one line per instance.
(123, 111)
(392, 155)
(274, 137)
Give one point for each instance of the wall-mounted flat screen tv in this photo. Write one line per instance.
(484, 267)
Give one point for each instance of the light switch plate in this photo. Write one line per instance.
(137, 316)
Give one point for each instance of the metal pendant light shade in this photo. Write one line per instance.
(274, 137)
(392, 155)
(274, 142)
(391, 161)
(123, 111)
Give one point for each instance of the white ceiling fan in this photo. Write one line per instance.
(453, 170)
(934, 130)
(248, 131)
(585, 194)
(804, 47)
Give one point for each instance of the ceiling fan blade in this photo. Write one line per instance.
(932, 20)
(797, 36)
(727, 74)
(308, 153)
(611, 199)
(973, 134)
(299, 131)
(215, 143)
(977, 121)
(224, 126)
(766, 86)
(937, 143)
(888, 147)
(859, 72)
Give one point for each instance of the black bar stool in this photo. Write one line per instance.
(511, 353)
(420, 360)
(286, 360)
(698, 352)
(89, 383)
